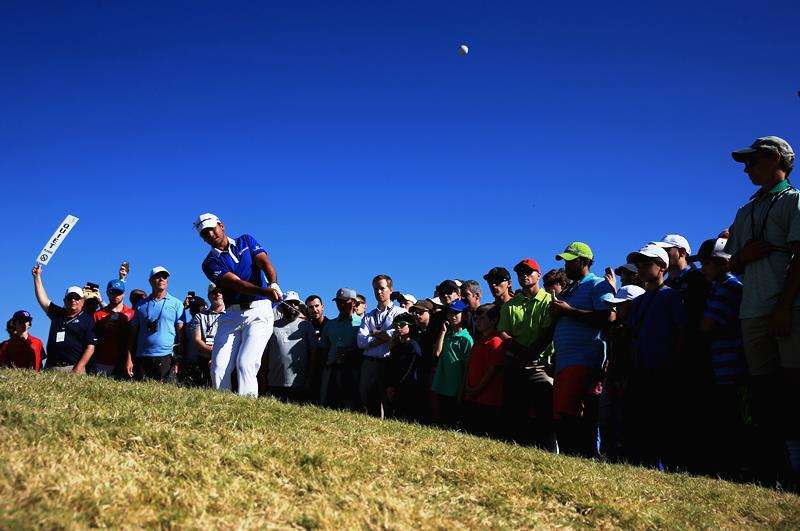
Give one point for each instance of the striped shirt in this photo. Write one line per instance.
(727, 352)
(578, 342)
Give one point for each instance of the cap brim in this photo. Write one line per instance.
(566, 256)
(741, 155)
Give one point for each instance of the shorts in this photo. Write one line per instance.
(572, 385)
(765, 353)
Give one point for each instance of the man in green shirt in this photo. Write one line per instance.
(765, 244)
(340, 366)
(527, 330)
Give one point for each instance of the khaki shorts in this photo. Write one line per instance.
(765, 353)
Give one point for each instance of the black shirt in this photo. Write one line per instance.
(76, 333)
(403, 364)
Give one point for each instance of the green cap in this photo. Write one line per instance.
(576, 250)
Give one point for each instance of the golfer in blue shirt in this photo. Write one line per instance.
(244, 274)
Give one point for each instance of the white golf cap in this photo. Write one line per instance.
(714, 248)
(205, 221)
(408, 297)
(674, 240)
(625, 293)
(436, 301)
(650, 250)
(76, 290)
(158, 269)
(291, 296)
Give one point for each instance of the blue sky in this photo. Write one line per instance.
(352, 139)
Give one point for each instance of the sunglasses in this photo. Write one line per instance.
(360, 303)
(73, 297)
(753, 160)
(160, 276)
(114, 292)
(497, 281)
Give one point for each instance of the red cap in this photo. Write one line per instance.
(529, 262)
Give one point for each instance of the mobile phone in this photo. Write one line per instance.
(190, 294)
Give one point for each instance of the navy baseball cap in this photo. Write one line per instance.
(115, 284)
(22, 315)
(457, 306)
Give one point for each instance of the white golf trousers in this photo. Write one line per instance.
(240, 341)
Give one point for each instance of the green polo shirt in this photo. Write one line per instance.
(339, 332)
(452, 363)
(764, 279)
(525, 318)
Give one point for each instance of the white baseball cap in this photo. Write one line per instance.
(651, 250)
(291, 296)
(76, 290)
(436, 301)
(714, 248)
(205, 221)
(408, 298)
(158, 269)
(674, 240)
(625, 293)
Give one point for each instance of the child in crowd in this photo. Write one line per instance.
(403, 382)
(483, 384)
(452, 349)
(722, 328)
(616, 371)
(657, 322)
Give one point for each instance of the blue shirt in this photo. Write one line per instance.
(239, 259)
(75, 333)
(656, 318)
(577, 342)
(167, 313)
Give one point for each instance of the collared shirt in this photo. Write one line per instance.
(773, 216)
(339, 333)
(377, 320)
(526, 318)
(656, 319)
(578, 342)
(727, 351)
(166, 313)
(69, 336)
(238, 259)
(208, 322)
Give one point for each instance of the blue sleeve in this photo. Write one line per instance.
(137, 319)
(179, 311)
(214, 267)
(601, 290)
(255, 247)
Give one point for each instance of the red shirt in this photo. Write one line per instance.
(22, 353)
(112, 330)
(486, 353)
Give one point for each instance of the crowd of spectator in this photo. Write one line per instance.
(673, 359)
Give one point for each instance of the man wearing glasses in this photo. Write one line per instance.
(527, 331)
(765, 244)
(156, 328)
(71, 341)
(499, 281)
(242, 270)
(112, 327)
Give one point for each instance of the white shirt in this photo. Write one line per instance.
(376, 320)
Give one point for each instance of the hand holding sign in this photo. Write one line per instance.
(56, 239)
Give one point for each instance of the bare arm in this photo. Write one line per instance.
(265, 264)
(781, 320)
(131, 347)
(38, 287)
(232, 282)
(437, 348)
(198, 341)
(80, 367)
